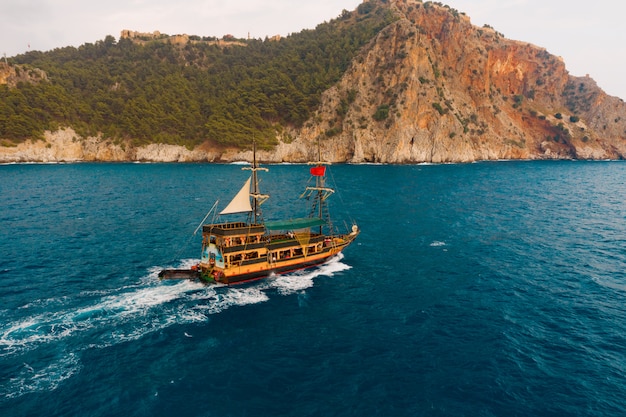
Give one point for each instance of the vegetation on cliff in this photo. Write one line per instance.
(157, 91)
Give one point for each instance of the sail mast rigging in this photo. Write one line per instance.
(320, 192)
(257, 197)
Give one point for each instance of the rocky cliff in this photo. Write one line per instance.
(12, 75)
(431, 87)
(65, 145)
(443, 90)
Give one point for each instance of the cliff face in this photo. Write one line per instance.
(66, 146)
(11, 75)
(444, 90)
(431, 87)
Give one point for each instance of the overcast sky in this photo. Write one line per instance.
(589, 35)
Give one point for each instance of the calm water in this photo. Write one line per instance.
(490, 289)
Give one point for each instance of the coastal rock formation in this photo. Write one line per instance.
(63, 145)
(66, 146)
(434, 88)
(430, 87)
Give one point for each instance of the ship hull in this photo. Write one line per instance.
(263, 267)
(265, 271)
(257, 269)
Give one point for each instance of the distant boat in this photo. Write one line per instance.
(240, 251)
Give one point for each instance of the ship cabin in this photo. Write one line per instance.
(292, 239)
(238, 243)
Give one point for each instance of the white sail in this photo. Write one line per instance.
(241, 202)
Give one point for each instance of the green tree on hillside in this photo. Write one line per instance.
(160, 92)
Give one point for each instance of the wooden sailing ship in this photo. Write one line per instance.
(240, 251)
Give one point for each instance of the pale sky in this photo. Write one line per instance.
(589, 35)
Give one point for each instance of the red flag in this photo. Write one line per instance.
(318, 171)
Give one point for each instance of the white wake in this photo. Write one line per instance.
(109, 317)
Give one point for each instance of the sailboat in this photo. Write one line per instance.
(235, 252)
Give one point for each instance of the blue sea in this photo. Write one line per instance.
(486, 289)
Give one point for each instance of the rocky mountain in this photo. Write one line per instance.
(447, 91)
(430, 87)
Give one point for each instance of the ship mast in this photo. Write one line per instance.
(320, 181)
(257, 197)
(320, 192)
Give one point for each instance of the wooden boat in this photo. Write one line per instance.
(239, 251)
